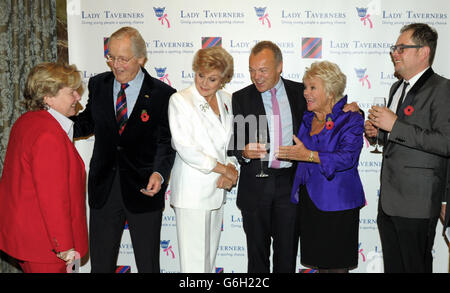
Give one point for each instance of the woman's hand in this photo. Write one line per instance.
(231, 173)
(224, 183)
(68, 256)
(297, 152)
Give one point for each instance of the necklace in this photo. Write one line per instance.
(318, 120)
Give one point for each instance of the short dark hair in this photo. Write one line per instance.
(423, 35)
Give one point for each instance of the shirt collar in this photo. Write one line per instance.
(277, 86)
(66, 123)
(415, 78)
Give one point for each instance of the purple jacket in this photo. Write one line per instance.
(334, 184)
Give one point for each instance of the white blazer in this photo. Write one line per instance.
(200, 139)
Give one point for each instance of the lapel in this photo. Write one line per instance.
(224, 109)
(292, 95)
(409, 99)
(143, 103)
(293, 103)
(406, 102)
(108, 100)
(393, 91)
(67, 140)
(205, 110)
(257, 109)
(383, 135)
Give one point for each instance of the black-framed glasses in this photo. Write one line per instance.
(120, 60)
(401, 47)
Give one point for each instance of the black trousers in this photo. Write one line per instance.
(275, 219)
(106, 227)
(406, 243)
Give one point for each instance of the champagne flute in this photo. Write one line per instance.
(261, 138)
(381, 102)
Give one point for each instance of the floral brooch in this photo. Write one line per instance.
(204, 107)
(408, 110)
(144, 116)
(329, 125)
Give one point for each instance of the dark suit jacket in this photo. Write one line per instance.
(447, 197)
(413, 175)
(143, 148)
(248, 102)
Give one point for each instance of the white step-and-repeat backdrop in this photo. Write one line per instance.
(355, 34)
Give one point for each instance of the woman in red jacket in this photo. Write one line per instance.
(42, 188)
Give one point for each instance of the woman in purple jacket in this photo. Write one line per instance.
(327, 184)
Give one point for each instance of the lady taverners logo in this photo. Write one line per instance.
(262, 15)
(364, 16)
(159, 12)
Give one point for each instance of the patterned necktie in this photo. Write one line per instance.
(121, 108)
(400, 101)
(278, 135)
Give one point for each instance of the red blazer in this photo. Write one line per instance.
(42, 192)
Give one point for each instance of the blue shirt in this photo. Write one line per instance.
(286, 120)
(132, 91)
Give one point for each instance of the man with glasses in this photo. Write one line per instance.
(132, 156)
(415, 127)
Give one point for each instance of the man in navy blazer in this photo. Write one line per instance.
(128, 170)
(417, 145)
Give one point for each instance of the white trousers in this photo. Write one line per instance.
(198, 233)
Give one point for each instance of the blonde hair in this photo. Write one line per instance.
(214, 58)
(46, 79)
(333, 79)
(138, 46)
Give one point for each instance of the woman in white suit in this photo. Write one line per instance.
(201, 122)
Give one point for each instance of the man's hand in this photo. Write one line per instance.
(153, 186)
(382, 118)
(254, 151)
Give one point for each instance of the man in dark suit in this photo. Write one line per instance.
(413, 175)
(272, 106)
(132, 156)
(265, 202)
(445, 212)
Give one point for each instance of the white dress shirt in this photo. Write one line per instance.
(66, 123)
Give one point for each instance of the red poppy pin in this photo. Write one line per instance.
(144, 116)
(226, 107)
(409, 110)
(329, 125)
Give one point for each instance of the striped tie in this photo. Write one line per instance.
(121, 108)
